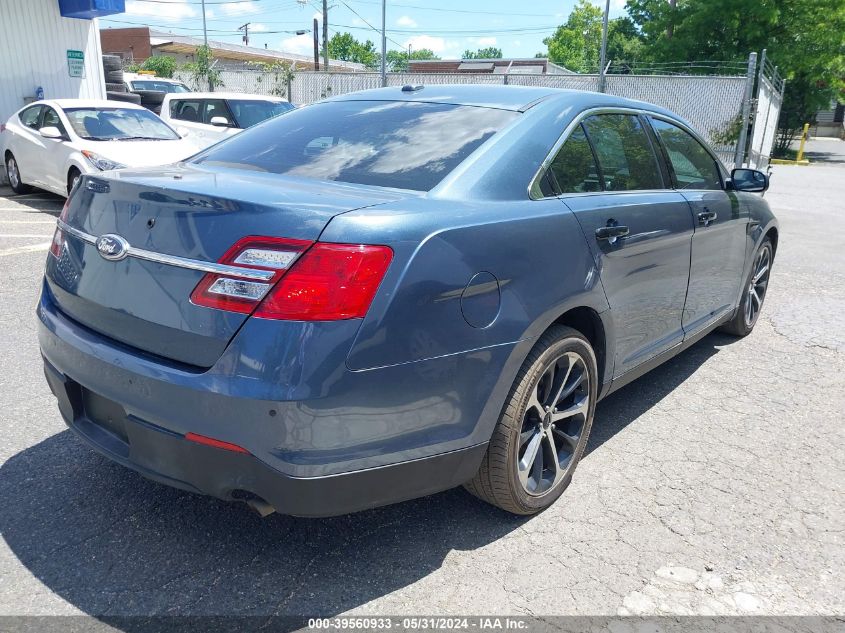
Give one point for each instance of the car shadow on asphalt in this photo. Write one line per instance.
(113, 544)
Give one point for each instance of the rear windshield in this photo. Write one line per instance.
(405, 145)
(159, 86)
(249, 112)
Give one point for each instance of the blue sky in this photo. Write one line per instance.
(448, 28)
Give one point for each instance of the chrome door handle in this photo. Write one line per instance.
(706, 217)
(611, 232)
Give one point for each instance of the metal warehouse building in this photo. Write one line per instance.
(50, 47)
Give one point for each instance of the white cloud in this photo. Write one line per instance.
(436, 44)
(258, 27)
(408, 21)
(486, 41)
(299, 44)
(239, 8)
(167, 9)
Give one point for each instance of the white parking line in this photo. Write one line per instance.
(25, 249)
(24, 207)
(28, 222)
(23, 235)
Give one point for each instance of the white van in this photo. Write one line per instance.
(213, 116)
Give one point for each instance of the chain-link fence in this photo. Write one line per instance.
(718, 106)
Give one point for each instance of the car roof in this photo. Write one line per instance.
(88, 103)
(225, 95)
(516, 98)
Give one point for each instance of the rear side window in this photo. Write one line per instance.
(29, 117)
(624, 152)
(404, 145)
(574, 168)
(692, 164)
(186, 110)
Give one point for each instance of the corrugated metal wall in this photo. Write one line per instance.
(34, 40)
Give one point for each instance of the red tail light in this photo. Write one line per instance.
(325, 282)
(228, 292)
(59, 236)
(330, 282)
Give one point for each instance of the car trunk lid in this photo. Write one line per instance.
(190, 213)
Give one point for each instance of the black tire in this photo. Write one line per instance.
(13, 175)
(753, 292)
(118, 87)
(114, 76)
(498, 480)
(127, 97)
(112, 62)
(150, 97)
(72, 175)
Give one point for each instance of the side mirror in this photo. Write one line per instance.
(183, 131)
(219, 121)
(51, 132)
(749, 180)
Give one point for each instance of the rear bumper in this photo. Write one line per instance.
(167, 457)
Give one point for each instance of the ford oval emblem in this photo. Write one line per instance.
(112, 247)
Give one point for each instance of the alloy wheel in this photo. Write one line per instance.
(553, 424)
(12, 172)
(756, 291)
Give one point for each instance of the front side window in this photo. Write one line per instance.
(216, 108)
(118, 124)
(624, 152)
(51, 119)
(29, 117)
(574, 168)
(404, 145)
(693, 165)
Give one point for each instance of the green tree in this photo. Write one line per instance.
(203, 69)
(576, 43)
(805, 39)
(397, 61)
(345, 47)
(163, 65)
(490, 52)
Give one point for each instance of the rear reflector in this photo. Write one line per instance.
(323, 282)
(210, 441)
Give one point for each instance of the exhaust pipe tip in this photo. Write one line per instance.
(261, 507)
(256, 503)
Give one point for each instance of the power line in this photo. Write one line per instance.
(496, 13)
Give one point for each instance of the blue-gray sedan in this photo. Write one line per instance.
(394, 292)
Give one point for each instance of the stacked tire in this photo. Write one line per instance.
(150, 99)
(115, 88)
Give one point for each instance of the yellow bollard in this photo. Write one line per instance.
(803, 140)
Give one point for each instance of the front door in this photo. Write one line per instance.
(718, 246)
(638, 230)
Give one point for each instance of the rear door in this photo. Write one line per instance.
(638, 230)
(718, 246)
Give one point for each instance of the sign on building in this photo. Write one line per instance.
(76, 63)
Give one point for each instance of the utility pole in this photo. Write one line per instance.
(316, 31)
(204, 31)
(603, 54)
(326, 34)
(245, 29)
(384, 43)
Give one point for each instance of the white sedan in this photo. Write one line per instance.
(49, 144)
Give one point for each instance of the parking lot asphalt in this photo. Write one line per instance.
(713, 485)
